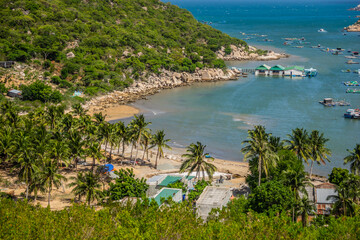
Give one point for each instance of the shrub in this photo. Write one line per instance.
(55, 80)
(40, 91)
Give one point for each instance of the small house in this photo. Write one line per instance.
(294, 71)
(320, 195)
(165, 193)
(262, 70)
(277, 70)
(323, 199)
(212, 197)
(14, 93)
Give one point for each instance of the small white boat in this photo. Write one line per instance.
(359, 71)
(322, 30)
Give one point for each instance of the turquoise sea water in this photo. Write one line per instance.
(219, 114)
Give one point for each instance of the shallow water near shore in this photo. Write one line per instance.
(219, 114)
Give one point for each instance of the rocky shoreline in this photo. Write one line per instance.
(155, 83)
(353, 28)
(357, 8)
(167, 79)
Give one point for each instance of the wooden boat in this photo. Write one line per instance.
(352, 62)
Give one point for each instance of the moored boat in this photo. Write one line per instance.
(352, 83)
(352, 62)
(311, 72)
(322, 30)
(352, 90)
(352, 114)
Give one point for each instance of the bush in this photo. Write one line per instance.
(271, 197)
(3, 89)
(46, 64)
(55, 80)
(40, 91)
(338, 175)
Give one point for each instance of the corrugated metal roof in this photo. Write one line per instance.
(154, 179)
(295, 68)
(165, 193)
(277, 68)
(322, 195)
(169, 179)
(263, 67)
(15, 91)
(214, 195)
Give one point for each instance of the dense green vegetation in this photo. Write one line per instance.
(19, 220)
(113, 41)
(35, 147)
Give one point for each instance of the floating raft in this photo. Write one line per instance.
(352, 83)
(353, 91)
(329, 102)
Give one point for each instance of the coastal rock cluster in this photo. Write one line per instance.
(154, 84)
(357, 8)
(353, 28)
(239, 53)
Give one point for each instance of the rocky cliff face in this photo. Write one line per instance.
(154, 84)
(238, 53)
(353, 28)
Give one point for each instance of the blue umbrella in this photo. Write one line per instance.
(109, 167)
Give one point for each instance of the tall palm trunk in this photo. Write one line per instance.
(311, 168)
(145, 150)
(259, 169)
(123, 153)
(136, 153)
(49, 195)
(111, 148)
(106, 142)
(131, 152)
(156, 159)
(93, 165)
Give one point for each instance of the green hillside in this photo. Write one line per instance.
(113, 41)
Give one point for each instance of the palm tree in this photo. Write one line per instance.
(317, 149)
(50, 177)
(7, 143)
(78, 109)
(343, 201)
(25, 160)
(105, 133)
(258, 147)
(147, 138)
(195, 161)
(139, 127)
(94, 151)
(53, 113)
(305, 207)
(99, 118)
(160, 142)
(298, 143)
(276, 143)
(297, 180)
(59, 150)
(354, 159)
(87, 185)
(76, 144)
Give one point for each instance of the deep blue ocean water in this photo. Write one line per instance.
(219, 114)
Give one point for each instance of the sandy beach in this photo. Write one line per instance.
(63, 197)
(117, 112)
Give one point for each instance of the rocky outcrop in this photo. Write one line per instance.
(154, 84)
(353, 28)
(357, 8)
(239, 53)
